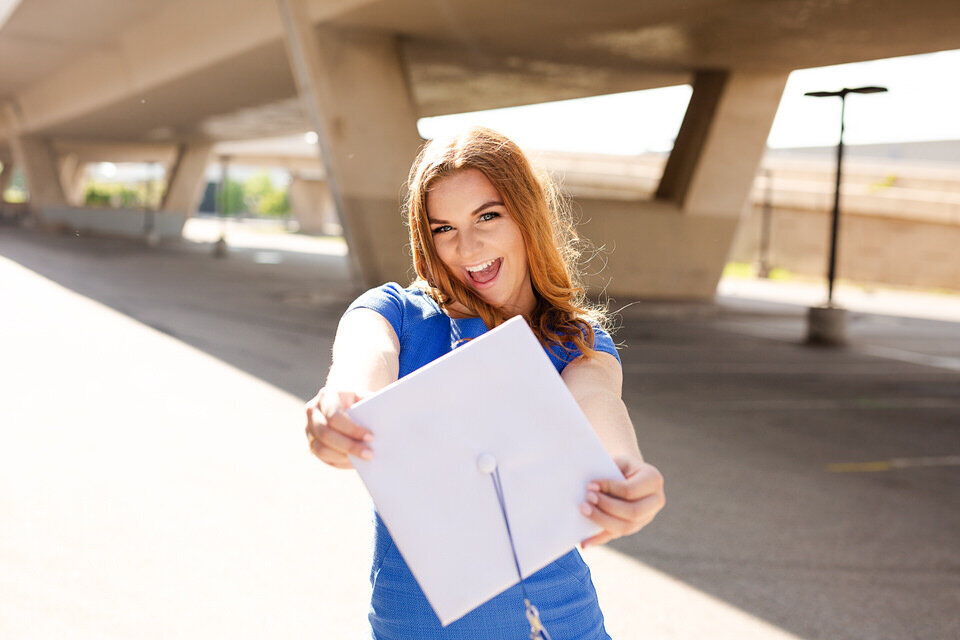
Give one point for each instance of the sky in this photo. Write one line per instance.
(923, 103)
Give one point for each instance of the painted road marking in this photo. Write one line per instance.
(894, 463)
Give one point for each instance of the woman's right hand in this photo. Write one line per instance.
(331, 434)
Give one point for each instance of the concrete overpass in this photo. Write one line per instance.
(168, 80)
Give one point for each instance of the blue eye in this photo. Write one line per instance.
(485, 217)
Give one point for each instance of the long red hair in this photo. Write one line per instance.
(562, 313)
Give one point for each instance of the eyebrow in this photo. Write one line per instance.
(492, 203)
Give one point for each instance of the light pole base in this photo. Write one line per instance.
(827, 326)
(220, 248)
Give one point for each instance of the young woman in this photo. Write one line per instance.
(489, 242)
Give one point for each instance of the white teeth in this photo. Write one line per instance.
(481, 267)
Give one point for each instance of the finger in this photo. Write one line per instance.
(601, 538)
(315, 422)
(629, 466)
(340, 422)
(335, 400)
(616, 526)
(644, 482)
(314, 402)
(637, 512)
(343, 444)
(329, 456)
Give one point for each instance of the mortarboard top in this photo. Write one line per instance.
(498, 395)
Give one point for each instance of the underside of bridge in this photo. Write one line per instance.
(164, 81)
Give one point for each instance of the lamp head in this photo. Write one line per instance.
(842, 93)
(868, 90)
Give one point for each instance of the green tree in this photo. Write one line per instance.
(263, 198)
(230, 199)
(108, 194)
(17, 189)
(276, 203)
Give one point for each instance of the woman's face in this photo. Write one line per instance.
(479, 241)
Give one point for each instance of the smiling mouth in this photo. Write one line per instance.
(487, 275)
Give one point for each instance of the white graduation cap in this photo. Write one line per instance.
(496, 401)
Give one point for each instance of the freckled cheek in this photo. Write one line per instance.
(519, 255)
(445, 255)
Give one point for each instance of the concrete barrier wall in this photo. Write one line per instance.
(129, 223)
(872, 248)
(900, 222)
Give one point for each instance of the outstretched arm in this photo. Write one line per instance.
(621, 506)
(366, 358)
(366, 352)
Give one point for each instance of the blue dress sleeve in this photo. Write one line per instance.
(387, 300)
(603, 342)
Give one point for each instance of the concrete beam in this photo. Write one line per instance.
(367, 133)
(176, 40)
(311, 166)
(186, 178)
(88, 151)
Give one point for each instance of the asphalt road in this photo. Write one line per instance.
(812, 493)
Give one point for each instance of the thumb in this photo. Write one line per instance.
(340, 400)
(628, 466)
(348, 398)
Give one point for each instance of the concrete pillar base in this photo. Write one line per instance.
(827, 326)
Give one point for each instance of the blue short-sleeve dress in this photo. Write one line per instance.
(562, 591)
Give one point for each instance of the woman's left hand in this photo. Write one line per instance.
(623, 507)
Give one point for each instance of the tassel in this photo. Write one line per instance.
(537, 630)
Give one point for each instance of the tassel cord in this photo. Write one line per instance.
(537, 630)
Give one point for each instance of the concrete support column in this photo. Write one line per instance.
(354, 88)
(186, 177)
(36, 157)
(37, 160)
(6, 175)
(676, 246)
(721, 142)
(313, 206)
(708, 89)
(71, 178)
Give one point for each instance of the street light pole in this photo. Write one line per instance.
(835, 222)
(223, 190)
(827, 325)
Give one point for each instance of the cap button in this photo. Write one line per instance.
(486, 463)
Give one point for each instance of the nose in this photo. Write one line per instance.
(469, 244)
